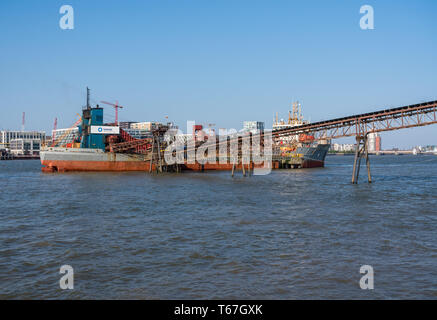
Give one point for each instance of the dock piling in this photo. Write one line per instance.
(361, 151)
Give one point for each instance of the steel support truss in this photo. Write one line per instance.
(360, 126)
(386, 120)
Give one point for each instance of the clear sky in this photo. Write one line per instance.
(218, 62)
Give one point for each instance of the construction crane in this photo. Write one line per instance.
(116, 107)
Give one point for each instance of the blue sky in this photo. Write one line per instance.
(218, 62)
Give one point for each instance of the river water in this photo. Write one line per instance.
(293, 234)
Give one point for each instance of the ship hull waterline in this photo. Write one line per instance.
(70, 160)
(119, 166)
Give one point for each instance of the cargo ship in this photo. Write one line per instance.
(96, 146)
(299, 151)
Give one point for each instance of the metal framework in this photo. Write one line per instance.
(359, 125)
(131, 146)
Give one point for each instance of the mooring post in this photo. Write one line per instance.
(354, 170)
(360, 152)
(369, 177)
(159, 156)
(360, 155)
(151, 158)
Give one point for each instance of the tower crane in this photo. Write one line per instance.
(116, 107)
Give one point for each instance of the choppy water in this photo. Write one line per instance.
(291, 234)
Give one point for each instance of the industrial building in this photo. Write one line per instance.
(374, 142)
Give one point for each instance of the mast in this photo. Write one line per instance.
(88, 98)
(300, 112)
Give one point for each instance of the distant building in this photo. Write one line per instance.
(145, 125)
(253, 126)
(342, 147)
(378, 143)
(139, 133)
(30, 147)
(22, 139)
(374, 142)
(125, 124)
(425, 150)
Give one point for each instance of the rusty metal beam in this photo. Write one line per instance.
(384, 120)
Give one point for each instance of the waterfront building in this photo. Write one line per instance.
(25, 147)
(7, 136)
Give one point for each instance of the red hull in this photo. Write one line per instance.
(64, 166)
